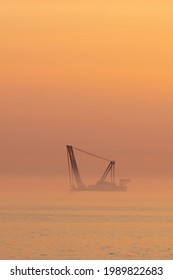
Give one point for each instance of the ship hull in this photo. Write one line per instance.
(102, 187)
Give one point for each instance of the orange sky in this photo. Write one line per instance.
(94, 74)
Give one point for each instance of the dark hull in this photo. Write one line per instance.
(102, 187)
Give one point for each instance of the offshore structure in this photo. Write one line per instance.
(76, 183)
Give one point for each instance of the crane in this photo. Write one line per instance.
(76, 183)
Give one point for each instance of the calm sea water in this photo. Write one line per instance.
(66, 225)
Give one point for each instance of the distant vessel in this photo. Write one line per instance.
(76, 183)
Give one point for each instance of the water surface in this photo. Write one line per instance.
(68, 225)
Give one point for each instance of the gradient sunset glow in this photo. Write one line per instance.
(96, 74)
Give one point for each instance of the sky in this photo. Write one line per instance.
(93, 74)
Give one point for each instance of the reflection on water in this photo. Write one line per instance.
(64, 225)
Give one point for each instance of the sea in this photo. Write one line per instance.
(45, 221)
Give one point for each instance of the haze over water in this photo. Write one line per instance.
(42, 222)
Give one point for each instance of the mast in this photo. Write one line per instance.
(110, 169)
(73, 169)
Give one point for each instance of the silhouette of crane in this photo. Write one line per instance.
(76, 183)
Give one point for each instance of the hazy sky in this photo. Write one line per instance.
(94, 74)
